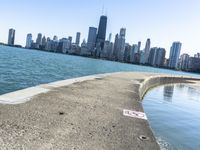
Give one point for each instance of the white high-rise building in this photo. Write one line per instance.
(28, 40)
(174, 55)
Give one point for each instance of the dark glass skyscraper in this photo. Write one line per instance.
(11, 37)
(101, 32)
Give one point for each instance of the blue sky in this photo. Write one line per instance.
(164, 21)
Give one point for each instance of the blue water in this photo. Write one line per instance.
(22, 68)
(174, 115)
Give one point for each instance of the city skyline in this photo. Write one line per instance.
(162, 26)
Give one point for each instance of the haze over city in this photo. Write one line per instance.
(162, 21)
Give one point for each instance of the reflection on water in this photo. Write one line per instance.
(174, 115)
(168, 92)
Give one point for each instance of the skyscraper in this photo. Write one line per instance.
(157, 57)
(110, 37)
(101, 32)
(147, 51)
(139, 46)
(174, 55)
(11, 37)
(78, 36)
(133, 51)
(160, 57)
(28, 40)
(152, 56)
(91, 38)
(184, 61)
(121, 44)
(39, 39)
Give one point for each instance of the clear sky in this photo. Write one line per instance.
(164, 21)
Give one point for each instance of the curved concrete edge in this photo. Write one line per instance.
(158, 80)
(24, 95)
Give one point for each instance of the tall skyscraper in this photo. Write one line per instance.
(115, 51)
(101, 32)
(160, 57)
(78, 36)
(152, 56)
(110, 37)
(139, 46)
(174, 55)
(91, 38)
(11, 37)
(133, 51)
(184, 61)
(28, 40)
(147, 50)
(119, 45)
(39, 39)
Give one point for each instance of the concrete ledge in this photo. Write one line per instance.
(161, 80)
(24, 95)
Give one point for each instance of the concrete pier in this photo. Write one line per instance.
(81, 114)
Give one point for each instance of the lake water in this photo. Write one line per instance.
(173, 112)
(22, 68)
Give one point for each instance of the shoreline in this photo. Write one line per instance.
(82, 113)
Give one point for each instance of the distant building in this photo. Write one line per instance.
(197, 55)
(174, 55)
(184, 61)
(101, 35)
(139, 46)
(152, 56)
(127, 52)
(146, 51)
(84, 49)
(44, 42)
(11, 37)
(63, 46)
(28, 40)
(157, 57)
(55, 38)
(78, 36)
(119, 45)
(39, 40)
(110, 37)
(91, 41)
(133, 52)
(160, 57)
(107, 50)
(70, 40)
(194, 64)
(115, 50)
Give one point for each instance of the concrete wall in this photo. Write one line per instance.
(161, 80)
